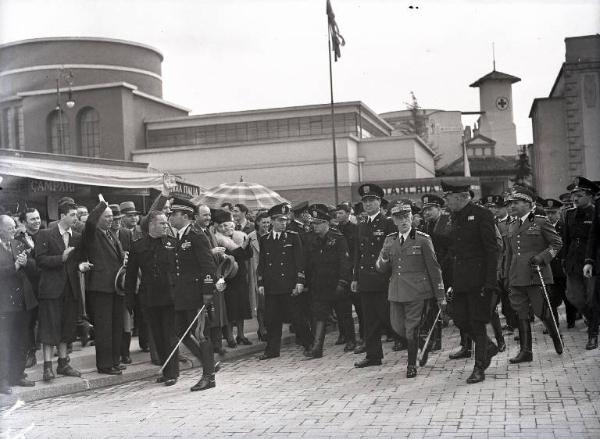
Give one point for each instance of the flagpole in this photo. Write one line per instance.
(335, 173)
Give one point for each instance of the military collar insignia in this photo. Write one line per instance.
(186, 244)
(169, 245)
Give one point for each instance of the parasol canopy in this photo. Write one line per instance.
(253, 195)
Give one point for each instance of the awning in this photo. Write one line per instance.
(94, 172)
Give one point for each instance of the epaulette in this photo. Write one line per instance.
(392, 235)
(422, 233)
(292, 232)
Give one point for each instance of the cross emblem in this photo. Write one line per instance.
(502, 103)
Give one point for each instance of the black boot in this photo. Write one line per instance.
(437, 337)
(592, 342)
(349, 334)
(411, 369)
(481, 360)
(125, 342)
(64, 368)
(497, 327)
(525, 355)
(554, 334)
(465, 348)
(316, 351)
(48, 373)
(205, 383)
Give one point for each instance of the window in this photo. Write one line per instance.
(89, 132)
(59, 141)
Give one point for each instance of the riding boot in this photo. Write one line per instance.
(554, 334)
(316, 351)
(437, 337)
(411, 369)
(125, 342)
(349, 334)
(497, 327)
(525, 354)
(481, 360)
(465, 348)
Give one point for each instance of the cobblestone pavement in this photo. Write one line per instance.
(290, 397)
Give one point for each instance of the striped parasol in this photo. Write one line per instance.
(253, 195)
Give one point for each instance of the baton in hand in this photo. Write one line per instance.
(181, 339)
(539, 272)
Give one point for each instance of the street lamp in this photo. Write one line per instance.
(67, 77)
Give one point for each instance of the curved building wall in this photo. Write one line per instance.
(35, 64)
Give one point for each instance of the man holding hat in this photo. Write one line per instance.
(532, 243)
(578, 223)
(281, 279)
(329, 273)
(371, 284)
(416, 277)
(475, 252)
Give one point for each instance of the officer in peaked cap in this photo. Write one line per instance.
(578, 223)
(432, 200)
(372, 285)
(474, 249)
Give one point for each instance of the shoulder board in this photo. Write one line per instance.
(392, 235)
(571, 208)
(422, 233)
(291, 232)
(541, 216)
(298, 222)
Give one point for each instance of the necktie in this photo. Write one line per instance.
(369, 221)
(520, 222)
(401, 240)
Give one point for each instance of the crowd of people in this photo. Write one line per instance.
(196, 273)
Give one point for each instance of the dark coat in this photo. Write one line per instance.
(16, 291)
(125, 238)
(350, 232)
(592, 253)
(33, 272)
(439, 231)
(370, 241)
(194, 270)
(578, 223)
(49, 249)
(474, 249)
(155, 257)
(104, 253)
(280, 263)
(329, 265)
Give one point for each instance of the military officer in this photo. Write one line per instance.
(532, 242)
(475, 252)
(154, 255)
(194, 286)
(329, 272)
(416, 277)
(592, 254)
(281, 279)
(578, 222)
(372, 285)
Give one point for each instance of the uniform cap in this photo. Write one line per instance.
(583, 184)
(432, 200)
(551, 204)
(448, 188)
(319, 215)
(183, 205)
(522, 194)
(279, 210)
(401, 209)
(370, 190)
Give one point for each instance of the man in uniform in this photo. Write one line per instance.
(194, 286)
(532, 243)
(416, 278)
(475, 257)
(280, 278)
(578, 222)
(329, 273)
(592, 255)
(370, 284)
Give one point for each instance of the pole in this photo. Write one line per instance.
(60, 122)
(335, 173)
(429, 334)
(545, 291)
(181, 339)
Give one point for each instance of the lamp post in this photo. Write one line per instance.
(67, 77)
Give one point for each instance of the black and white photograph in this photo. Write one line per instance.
(299, 219)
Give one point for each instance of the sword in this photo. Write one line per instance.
(181, 339)
(422, 351)
(537, 267)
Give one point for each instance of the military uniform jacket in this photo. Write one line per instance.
(439, 231)
(370, 240)
(280, 263)
(558, 271)
(535, 237)
(194, 270)
(578, 223)
(350, 232)
(329, 265)
(155, 257)
(16, 291)
(49, 249)
(592, 253)
(473, 248)
(415, 272)
(502, 226)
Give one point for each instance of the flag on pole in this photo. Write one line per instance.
(466, 166)
(337, 39)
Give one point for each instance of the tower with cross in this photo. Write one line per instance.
(496, 106)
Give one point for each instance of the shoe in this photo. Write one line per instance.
(120, 367)
(366, 363)
(268, 356)
(411, 371)
(126, 360)
(24, 382)
(350, 346)
(340, 340)
(109, 371)
(64, 368)
(170, 381)
(31, 359)
(243, 341)
(399, 345)
(205, 383)
(592, 342)
(463, 352)
(48, 373)
(161, 379)
(525, 354)
(477, 376)
(360, 349)
(231, 343)
(501, 345)
(5, 388)
(492, 351)
(316, 350)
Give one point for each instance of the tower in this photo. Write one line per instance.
(495, 103)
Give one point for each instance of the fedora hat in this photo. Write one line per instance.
(128, 207)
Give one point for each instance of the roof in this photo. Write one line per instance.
(495, 75)
(481, 137)
(481, 166)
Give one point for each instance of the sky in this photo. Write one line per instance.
(230, 55)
